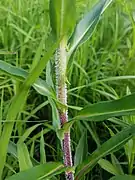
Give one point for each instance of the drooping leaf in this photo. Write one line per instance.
(62, 17)
(38, 172)
(113, 144)
(86, 26)
(123, 177)
(20, 74)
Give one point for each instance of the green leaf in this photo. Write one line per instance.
(23, 157)
(10, 167)
(81, 153)
(123, 177)
(106, 165)
(12, 149)
(113, 144)
(86, 26)
(27, 133)
(38, 54)
(116, 164)
(49, 73)
(38, 172)
(20, 74)
(55, 114)
(18, 103)
(62, 17)
(42, 149)
(104, 110)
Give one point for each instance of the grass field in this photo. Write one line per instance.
(102, 69)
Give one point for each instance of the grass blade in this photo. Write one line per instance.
(123, 177)
(20, 74)
(113, 144)
(81, 153)
(18, 102)
(85, 27)
(23, 157)
(105, 110)
(42, 149)
(38, 172)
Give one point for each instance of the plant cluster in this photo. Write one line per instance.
(83, 96)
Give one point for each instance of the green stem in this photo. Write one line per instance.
(61, 62)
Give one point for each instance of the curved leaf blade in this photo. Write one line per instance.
(86, 26)
(38, 172)
(113, 144)
(104, 110)
(20, 74)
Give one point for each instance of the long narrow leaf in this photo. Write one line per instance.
(20, 74)
(12, 150)
(104, 110)
(38, 172)
(113, 144)
(18, 102)
(23, 157)
(85, 27)
(123, 177)
(81, 153)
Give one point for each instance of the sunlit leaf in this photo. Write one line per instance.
(86, 26)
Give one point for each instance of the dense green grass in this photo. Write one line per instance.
(109, 53)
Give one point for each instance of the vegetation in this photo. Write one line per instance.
(82, 106)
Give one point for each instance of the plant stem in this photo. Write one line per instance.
(61, 87)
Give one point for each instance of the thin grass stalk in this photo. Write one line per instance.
(61, 88)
